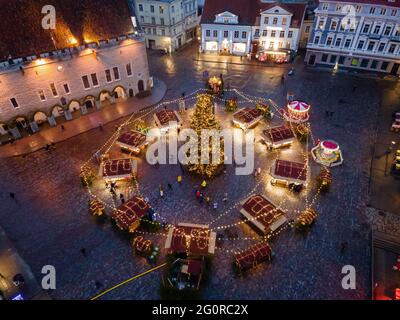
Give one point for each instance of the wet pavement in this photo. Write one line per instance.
(50, 223)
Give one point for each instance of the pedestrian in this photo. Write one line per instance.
(343, 247)
(198, 194)
(255, 173)
(215, 205)
(47, 147)
(161, 191)
(122, 198)
(225, 197)
(169, 186)
(98, 284)
(208, 199)
(83, 251)
(12, 195)
(283, 79)
(201, 197)
(62, 127)
(204, 184)
(179, 179)
(258, 171)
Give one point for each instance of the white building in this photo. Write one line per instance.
(356, 34)
(62, 83)
(167, 24)
(241, 27)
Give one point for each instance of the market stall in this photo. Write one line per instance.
(247, 118)
(253, 256)
(278, 137)
(128, 215)
(118, 169)
(167, 119)
(191, 239)
(288, 173)
(96, 208)
(262, 213)
(132, 141)
(297, 111)
(327, 153)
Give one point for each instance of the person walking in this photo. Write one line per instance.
(169, 186)
(122, 198)
(215, 205)
(204, 184)
(12, 195)
(225, 197)
(179, 179)
(83, 252)
(198, 194)
(161, 191)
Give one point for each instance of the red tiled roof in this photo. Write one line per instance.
(253, 256)
(117, 167)
(191, 240)
(291, 170)
(129, 213)
(278, 134)
(21, 24)
(262, 210)
(132, 138)
(249, 10)
(247, 115)
(165, 116)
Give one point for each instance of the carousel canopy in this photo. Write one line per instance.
(192, 239)
(330, 145)
(262, 213)
(298, 106)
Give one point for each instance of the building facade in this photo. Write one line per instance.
(241, 27)
(61, 83)
(361, 35)
(167, 24)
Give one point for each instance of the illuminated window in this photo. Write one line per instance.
(53, 89)
(42, 95)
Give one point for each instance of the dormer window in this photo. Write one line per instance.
(226, 20)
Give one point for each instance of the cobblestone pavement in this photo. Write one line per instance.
(49, 222)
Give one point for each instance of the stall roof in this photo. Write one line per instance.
(132, 138)
(117, 168)
(129, 213)
(165, 116)
(290, 170)
(261, 212)
(279, 134)
(253, 255)
(192, 239)
(247, 115)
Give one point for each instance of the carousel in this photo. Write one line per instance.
(297, 111)
(215, 84)
(327, 153)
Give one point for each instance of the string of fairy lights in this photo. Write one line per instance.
(144, 113)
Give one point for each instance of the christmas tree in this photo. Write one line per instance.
(204, 118)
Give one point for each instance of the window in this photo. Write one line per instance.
(316, 39)
(108, 75)
(273, 33)
(394, 13)
(324, 58)
(341, 60)
(333, 58)
(154, 31)
(208, 33)
(151, 8)
(371, 45)
(85, 81)
(374, 64)
(284, 21)
(215, 33)
(66, 88)
(392, 48)
(354, 62)
(321, 23)
(366, 28)
(338, 7)
(173, 20)
(333, 25)
(358, 9)
(162, 22)
(307, 29)
(377, 29)
(257, 33)
(226, 34)
(140, 7)
(360, 44)
(53, 89)
(388, 30)
(141, 19)
(265, 33)
(95, 82)
(364, 63)
(383, 11)
(226, 20)
(271, 44)
(338, 42)
(325, 6)
(173, 9)
(266, 20)
(42, 95)
(372, 10)
(14, 102)
(381, 46)
(161, 9)
(282, 34)
(153, 20)
(290, 34)
(244, 34)
(347, 43)
(236, 34)
(116, 73)
(280, 44)
(275, 21)
(384, 65)
(163, 32)
(329, 41)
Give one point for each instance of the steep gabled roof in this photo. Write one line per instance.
(92, 20)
